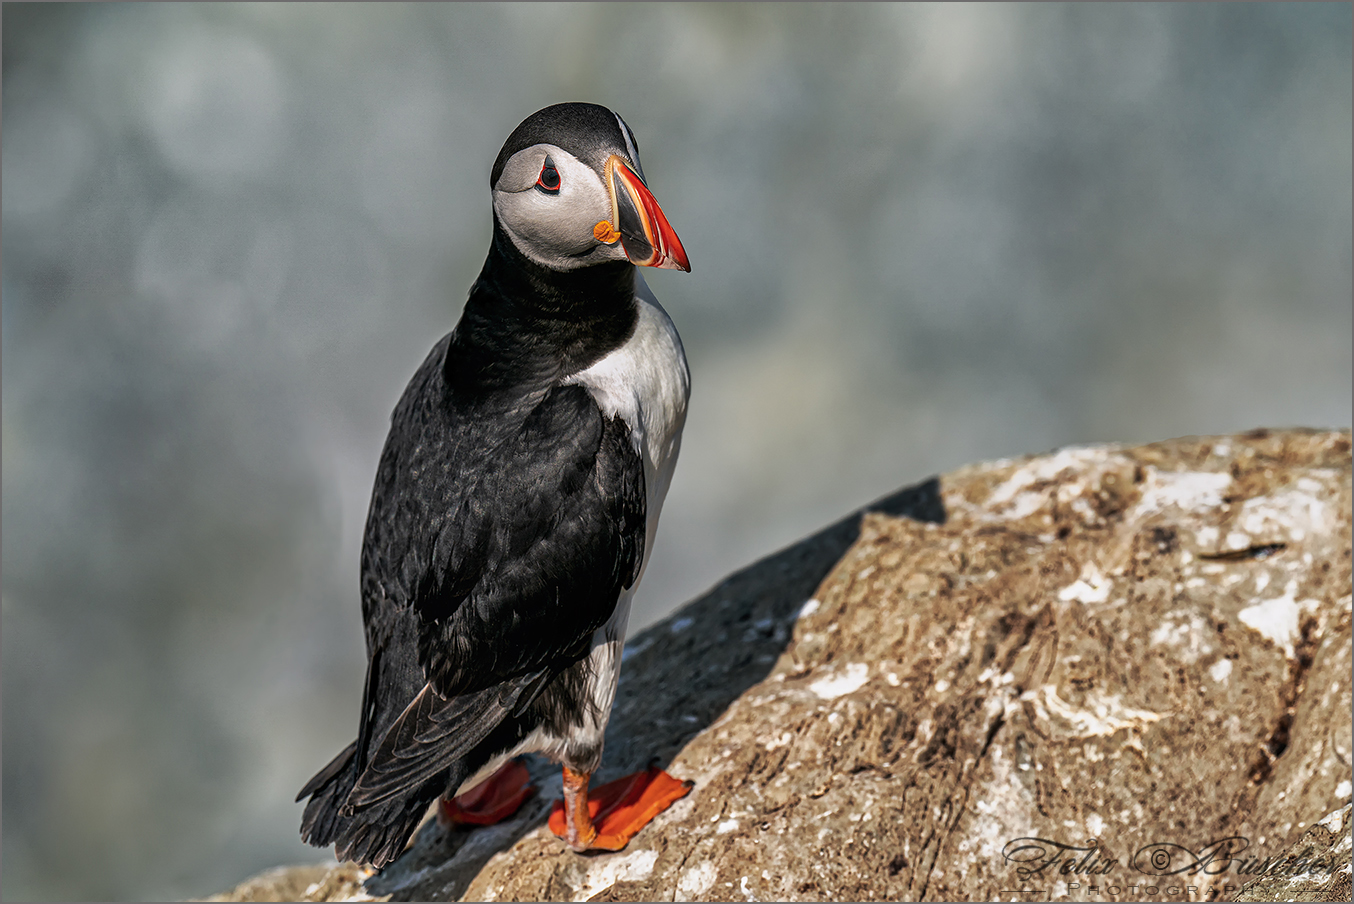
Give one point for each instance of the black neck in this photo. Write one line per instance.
(525, 326)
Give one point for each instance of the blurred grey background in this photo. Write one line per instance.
(920, 236)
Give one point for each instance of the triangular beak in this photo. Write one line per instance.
(645, 234)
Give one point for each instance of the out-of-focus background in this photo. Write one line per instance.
(920, 236)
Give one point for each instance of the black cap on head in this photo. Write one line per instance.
(590, 132)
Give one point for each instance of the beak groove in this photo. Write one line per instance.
(645, 233)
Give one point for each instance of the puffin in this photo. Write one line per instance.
(514, 510)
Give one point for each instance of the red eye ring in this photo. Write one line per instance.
(548, 181)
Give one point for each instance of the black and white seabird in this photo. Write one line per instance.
(514, 510)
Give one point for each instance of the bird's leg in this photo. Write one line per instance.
(491, 801)
(611, 815)
(579, 832)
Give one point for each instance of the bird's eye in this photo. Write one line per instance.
(548, 180)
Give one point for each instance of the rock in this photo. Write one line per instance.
(1317, 868)
(319, 882)
(1096, 668)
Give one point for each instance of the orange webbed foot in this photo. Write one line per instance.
(619, 809)
(491, 801)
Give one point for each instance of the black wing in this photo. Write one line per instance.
(499, 540)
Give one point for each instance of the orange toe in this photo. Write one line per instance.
(491, 801)
(621, 808)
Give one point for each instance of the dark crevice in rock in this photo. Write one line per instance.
(1259, 553)
(997, 723)
(1300, 665)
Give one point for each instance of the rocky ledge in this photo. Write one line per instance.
(1102, 673)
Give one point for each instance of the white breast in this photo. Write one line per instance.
(646, 383)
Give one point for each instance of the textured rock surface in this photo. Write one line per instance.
(1317, 868)
(320, 882)
(1137, 650)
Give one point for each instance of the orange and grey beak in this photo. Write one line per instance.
(638, 222)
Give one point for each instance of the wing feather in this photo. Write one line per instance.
(432, 733)
(511, 559)
(497, 544)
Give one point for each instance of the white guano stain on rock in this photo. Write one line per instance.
(1073, 458)
(849, 679)
(1105, 715)
(1013, 501)
(1287, 516)
(1091, 587)
(1006, 798)
(1219, 670)
(1278, 620)
(607, 871)
(695, 882)
(1186, 630)
(1186, 490)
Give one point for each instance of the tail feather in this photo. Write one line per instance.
(320, 823)
(319, 779)
(435, 744)
(376, 833)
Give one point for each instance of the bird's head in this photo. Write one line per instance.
(569, 191)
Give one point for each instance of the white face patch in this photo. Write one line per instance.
(554, 229)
